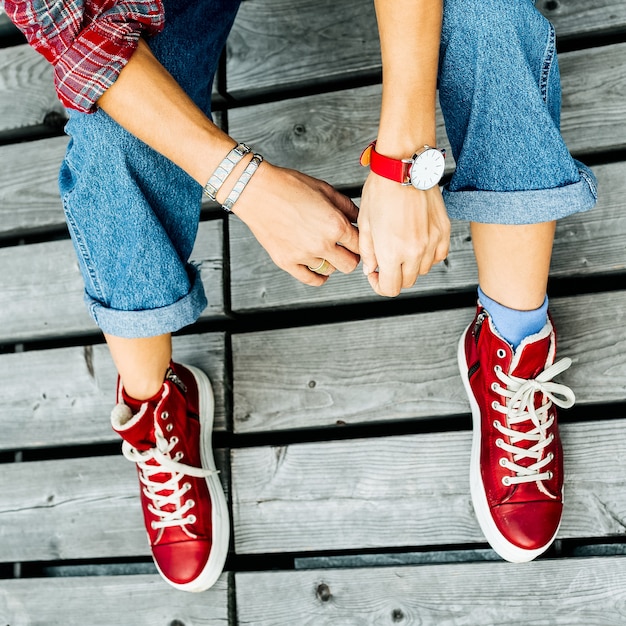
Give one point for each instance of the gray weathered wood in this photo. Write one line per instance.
(323, 135)
(573, 592)
(406, 491)
(29, 192)
(586, 244)
(41, 290)
(65, 396)
(84, 508)
(25, 78)
(404, 367)
(110, 601)
(281, 44)
(286, 44)
(594, 99)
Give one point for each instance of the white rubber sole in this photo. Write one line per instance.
(507, 550)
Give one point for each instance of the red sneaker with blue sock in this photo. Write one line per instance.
(184, 508)
(516, 473)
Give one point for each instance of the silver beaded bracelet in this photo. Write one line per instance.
(244, 179)
(224, 169)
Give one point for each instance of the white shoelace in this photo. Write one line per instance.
(520, 407)
(178, 516)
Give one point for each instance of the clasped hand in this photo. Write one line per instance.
(300, 220)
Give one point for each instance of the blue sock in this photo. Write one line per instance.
(514, 326)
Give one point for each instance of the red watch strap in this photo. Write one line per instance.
(393, 169)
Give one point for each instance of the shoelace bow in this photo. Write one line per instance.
(164, 463)
(520, 407)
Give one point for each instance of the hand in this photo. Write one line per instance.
(402, 231)
(300, 220)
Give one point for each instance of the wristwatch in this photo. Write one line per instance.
(423, 170)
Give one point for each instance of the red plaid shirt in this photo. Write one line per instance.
(87, 41)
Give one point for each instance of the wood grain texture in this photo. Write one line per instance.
(64, 396)
(29, 191)
(278, 44)
(41, 289)
(323, 135)
(141, 600)
(83, 508)
(573, 592)
(586, 244)
(594, 99)
(25, 78)
(282, 44)
(404, 367)
(411, 490)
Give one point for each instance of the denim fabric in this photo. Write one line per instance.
(499, 89)
(132, 214)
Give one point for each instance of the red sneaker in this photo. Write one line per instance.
(184, 508)
(516, 472)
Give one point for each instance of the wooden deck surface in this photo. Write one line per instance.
(343, 431)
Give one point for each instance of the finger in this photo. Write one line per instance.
(344, 204)
(343, 260)
(304, 275)
(366, 250)
(410, 272)
(389, 279)
(349, 238)
(321, 266)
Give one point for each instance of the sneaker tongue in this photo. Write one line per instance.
(531, 358)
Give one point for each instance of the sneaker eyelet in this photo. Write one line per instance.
(501, 353)
(496, 424)
(191, 519)
(497, 369)
(550, 475)
(494, 387)
(502, 461)
(187, 487)
(499, 443)
(174, 440)
(165, 415)
(506, 481)
(495, 405)
(191, 503)
(551, 456)
(169, 427)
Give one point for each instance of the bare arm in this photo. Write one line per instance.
(296, 218)
(403, 231)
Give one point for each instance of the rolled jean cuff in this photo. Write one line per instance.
(151, 322)
(524, 207)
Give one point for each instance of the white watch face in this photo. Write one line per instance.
(427, 169)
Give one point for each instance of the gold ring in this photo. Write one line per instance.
(321, 268)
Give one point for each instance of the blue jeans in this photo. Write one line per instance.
(133, 215)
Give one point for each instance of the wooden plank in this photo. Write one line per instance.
(404, 367)
(41, 289)
(412, 490)
(29, 191)
(578, 18)
(64, 396)
(587, 244)
(110, 601)
(25, 78)
(594, 102)
(83, 508)
(281, 44)
(572, 592)
(323, 135)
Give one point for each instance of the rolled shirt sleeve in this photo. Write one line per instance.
(88, 42)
